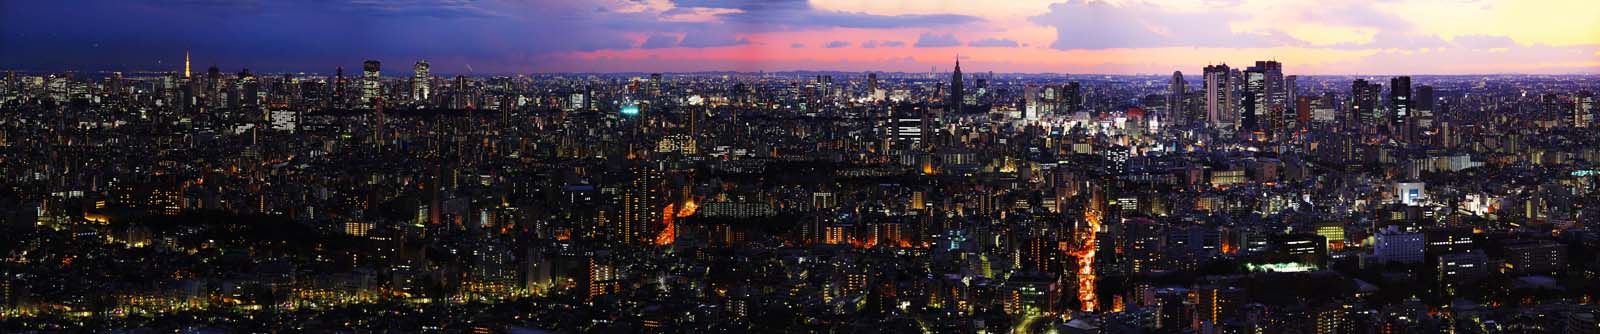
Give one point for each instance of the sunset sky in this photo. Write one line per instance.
(1062, 36)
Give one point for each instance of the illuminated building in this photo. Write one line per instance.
(371, 87)
(1394, 245)
(421, 82)
(1400, 106)
(1219, 96)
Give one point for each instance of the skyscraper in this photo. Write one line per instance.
(1272, 83)
(1219, 99)
(956, 94)
(1072, 97)
(641, 205)
(421, 88)
(1176, 91)
(1400, 106)
(1254, 99)
(1364, 105)
(371, 88)
(872, 84)
(1582, 109)
(1291, 115)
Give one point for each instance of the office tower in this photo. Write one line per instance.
(1364, 114)
(1219, 99)
(338, 87)
(1301, 118)
(1422, 101)
(1235, 94)
(1400, 106)
(872, 85)
(1582, 109)
(957, 96)
(371, 88)
(1273, 88)
(1177, 89)
(1072, 97)
(248, 89)
(654, 89)
(1253, 99)
(1291, 120)
(420, 85)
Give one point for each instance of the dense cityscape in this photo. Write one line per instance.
(1223, 199)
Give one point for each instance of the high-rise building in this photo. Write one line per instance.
(1291, 116)
(371, 87)
(872, 85)
(1423, 108)
(248, 90)
(1364, 114)
(1273, 89)
(1400, 106)
(1072, 97)
(641, 206)
(1177, 89)
(957, 96)
(339, 84)
(421, 85)
(1254, 100)
(1582, 109)
(1219, 96)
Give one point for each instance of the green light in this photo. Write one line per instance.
(630, 110)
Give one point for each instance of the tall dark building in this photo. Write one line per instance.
(248, 90)
(957, 96)
(1218, 95)
(872, 84)
(1177, 89)
(339, 87)
(1364, 105)
(1254, 98)
(1422, 101)
(1400, 106)
(1072, 96)
(1274, 92)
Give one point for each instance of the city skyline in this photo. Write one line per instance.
(495, 37)
(800, 166)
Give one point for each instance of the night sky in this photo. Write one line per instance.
(1064, 36)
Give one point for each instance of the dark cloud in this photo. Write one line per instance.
(869, 44)
(797, 45)
(891, 44)
(660, 42)
(930, 40)
(993, 43)
(711, 40)
(836, 44)
(769, 15)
